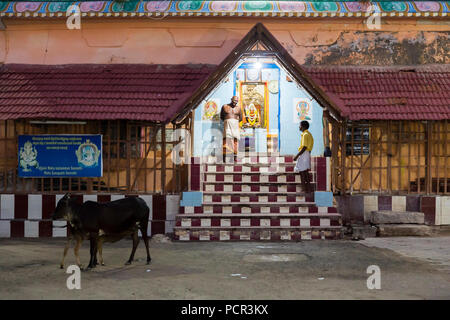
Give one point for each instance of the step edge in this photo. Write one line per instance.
(255, 215)
(259, 227)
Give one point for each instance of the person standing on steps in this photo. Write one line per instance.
(303, 157)
(231, 115)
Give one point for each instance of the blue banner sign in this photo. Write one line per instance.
(60, 156)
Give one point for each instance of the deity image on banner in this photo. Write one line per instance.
(28, 155)
(302, 109)
(253, 97)
(210, 110)
(87, 154)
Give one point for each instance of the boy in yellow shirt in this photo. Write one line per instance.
(303, 158)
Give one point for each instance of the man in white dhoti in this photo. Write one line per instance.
(303, 158)
(231, 116)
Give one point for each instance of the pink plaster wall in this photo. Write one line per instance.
(205, 40)
(2, 46)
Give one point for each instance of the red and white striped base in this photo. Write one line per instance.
(30, 215)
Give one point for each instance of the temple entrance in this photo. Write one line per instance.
(257, 195)
(275, 95)
(272, 105)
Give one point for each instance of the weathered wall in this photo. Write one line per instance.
(208, 40)
(384, 48)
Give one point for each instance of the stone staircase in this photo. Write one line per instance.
(259, 197)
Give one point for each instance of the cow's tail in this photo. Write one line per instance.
(144, 222)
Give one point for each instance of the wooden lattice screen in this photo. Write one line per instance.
(137, 158)
(394, 157)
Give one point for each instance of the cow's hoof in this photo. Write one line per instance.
(148, 261)
(61, 266)
(127, 263)
(103, 264)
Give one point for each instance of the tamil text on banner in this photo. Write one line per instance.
(60, 156)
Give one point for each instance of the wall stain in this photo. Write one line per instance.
(381, 48)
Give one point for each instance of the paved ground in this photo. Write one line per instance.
(433, 250)
(235, 270)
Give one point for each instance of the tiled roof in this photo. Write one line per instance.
(159, 92)
(102, 92)
(381, 93)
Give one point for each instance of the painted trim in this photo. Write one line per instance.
(181, 8)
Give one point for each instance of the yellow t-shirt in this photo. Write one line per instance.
(307, 141)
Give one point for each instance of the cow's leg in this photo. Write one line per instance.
(95, 256)
(135, 244)
(100, 251)
(143, 226)
(76, 250)
(66, 248)
(93, 250)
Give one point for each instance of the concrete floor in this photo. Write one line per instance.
(434, 250)
(29, 269)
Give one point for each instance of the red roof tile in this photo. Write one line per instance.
(381, 93)
(135, 92)
(158, 92)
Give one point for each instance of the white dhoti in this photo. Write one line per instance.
(303, 162)
(231, 129)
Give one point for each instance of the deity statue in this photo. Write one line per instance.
(253, 102)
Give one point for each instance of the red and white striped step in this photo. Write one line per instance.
(247, 168)
(256, 208)
(253, 197)
(256, 198)
(250, 158)
(258, 234)
(211, 177)
(280, 187)
(267, 220)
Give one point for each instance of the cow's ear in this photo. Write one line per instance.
(66, 196)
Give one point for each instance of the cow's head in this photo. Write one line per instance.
(64, 208)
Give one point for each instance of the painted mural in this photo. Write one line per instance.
(211, 110)
(302, 110)
(204, 8)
